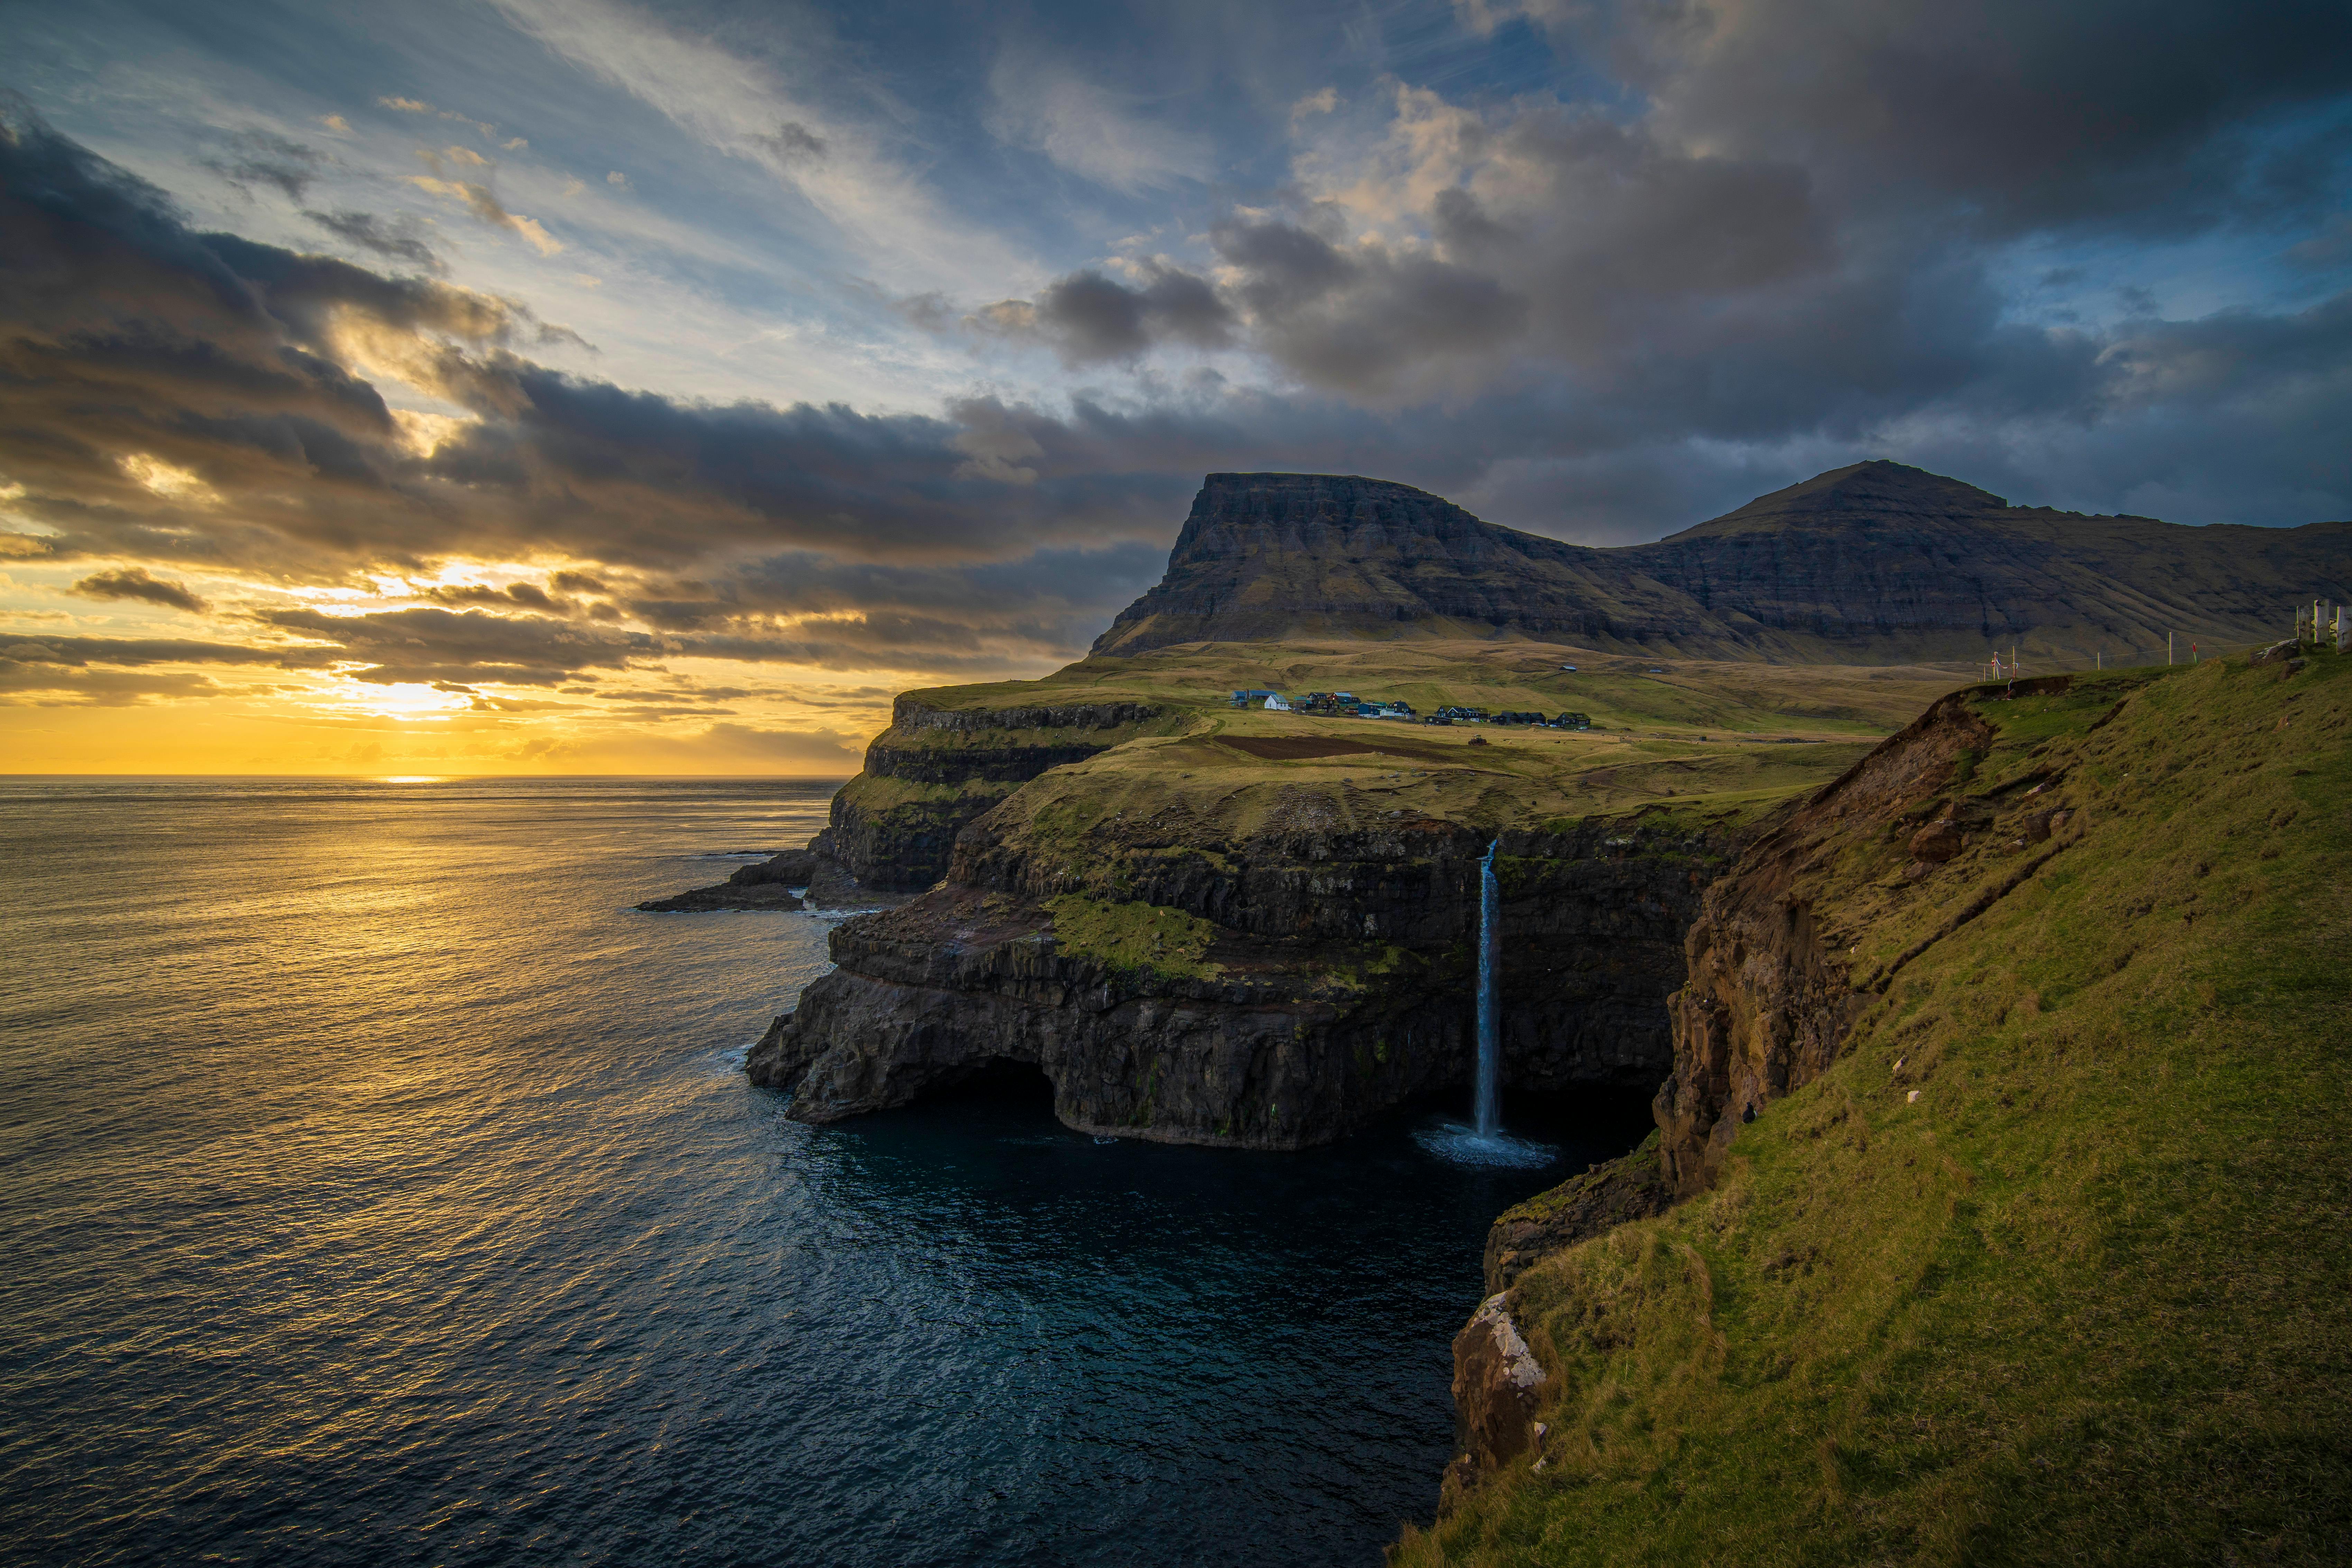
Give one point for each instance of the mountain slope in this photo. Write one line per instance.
(1874, 564)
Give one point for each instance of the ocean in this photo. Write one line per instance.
(378, 1188)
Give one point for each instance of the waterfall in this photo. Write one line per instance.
(1490, 1045)
(1486, 1143)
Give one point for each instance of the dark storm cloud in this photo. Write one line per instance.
(1789, 235)
(1087, 317)
(134, 582)
(132, 340)
(1776, 250)
(2100, 111)
(1351, 320)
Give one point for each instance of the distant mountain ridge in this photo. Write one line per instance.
(1874, 564)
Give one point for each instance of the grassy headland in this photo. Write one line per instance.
(1716, 741)
(2051, 1264)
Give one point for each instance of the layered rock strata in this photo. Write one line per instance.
(893, 827)
(1873, 563)
(1275, 993)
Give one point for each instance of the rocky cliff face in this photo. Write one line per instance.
(1874, 564)
(935, 769)
(1769, 996)
(1897, 854)
(1277, 992)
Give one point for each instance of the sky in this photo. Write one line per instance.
(585, 386)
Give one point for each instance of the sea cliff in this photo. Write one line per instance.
(1982, 1218)
(1269, 975)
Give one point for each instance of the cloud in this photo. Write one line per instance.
(406, 105)
(617, 180)
(262, 158)
(1088, 318)
(38, 684)
(1565, 320)
(1089, 130)
(744, 107)
(430, 645)
(791, 142)
(80, 653)
(1906, 103)
(249, 370)
(722, 747)
(478, 200)
(134, 582)
(393, 239)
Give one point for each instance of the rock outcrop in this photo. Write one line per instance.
(727, 897)
(1769, 996)
(1873, 563)
(1611, 1194)
(761, 885)
(1497, 1384)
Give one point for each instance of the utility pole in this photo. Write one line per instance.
(2168, 649)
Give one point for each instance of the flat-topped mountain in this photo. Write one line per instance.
(1876, 563)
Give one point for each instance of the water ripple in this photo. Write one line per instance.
(375, 1192)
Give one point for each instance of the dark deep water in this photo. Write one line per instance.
(375, 1189)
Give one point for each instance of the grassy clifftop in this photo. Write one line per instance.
(1619, 692)
(2051, 1264)
(1122, 734)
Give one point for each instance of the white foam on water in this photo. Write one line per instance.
(1465, 1145)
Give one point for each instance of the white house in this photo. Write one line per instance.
(1276, 704)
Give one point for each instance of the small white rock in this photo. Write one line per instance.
(1910, 1096)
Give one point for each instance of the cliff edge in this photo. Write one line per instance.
(2004, 1148)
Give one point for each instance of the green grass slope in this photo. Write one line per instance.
(1683, 695)
(2053, 1264)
